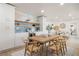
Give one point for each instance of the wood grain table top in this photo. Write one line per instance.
(43, 39)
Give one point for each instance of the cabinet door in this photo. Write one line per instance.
(20, 37)
(7, 14)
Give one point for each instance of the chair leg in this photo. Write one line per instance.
(42, 49)
(25, 52)
(61, 51)
(31, 53)
(65, 47)
(57, 52)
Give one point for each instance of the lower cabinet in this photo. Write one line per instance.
(19, 39)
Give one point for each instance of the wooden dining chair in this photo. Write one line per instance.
(32, 48)
(62, 40)
(56, 47)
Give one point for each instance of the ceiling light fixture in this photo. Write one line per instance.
(69, 14)
(56, 17)
(42, 11)
(72, 17)
(61, 3)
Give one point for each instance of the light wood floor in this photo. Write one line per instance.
(9, 52)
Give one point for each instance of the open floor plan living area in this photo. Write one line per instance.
(39, 29)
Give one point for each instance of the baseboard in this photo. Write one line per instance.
(10, 49)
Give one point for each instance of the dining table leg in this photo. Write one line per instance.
(44, 49)
(46, 52)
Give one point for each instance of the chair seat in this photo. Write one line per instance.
(32, 48)
(53, 47)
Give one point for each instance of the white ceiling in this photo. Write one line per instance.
(53, 11)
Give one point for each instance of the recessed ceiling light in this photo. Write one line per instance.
(61, 3)
(72, 17)
(56, 17)
(42, 11)
(69, 14)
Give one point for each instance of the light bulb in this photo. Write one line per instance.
(42, 11)
(69, 14)
(61, 3)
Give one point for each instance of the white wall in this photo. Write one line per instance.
(7, 31)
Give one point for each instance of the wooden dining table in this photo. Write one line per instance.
(43, 40)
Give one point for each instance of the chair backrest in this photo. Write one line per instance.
(31, 34)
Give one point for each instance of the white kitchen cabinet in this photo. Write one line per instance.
(20, 37)
(7, 31)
